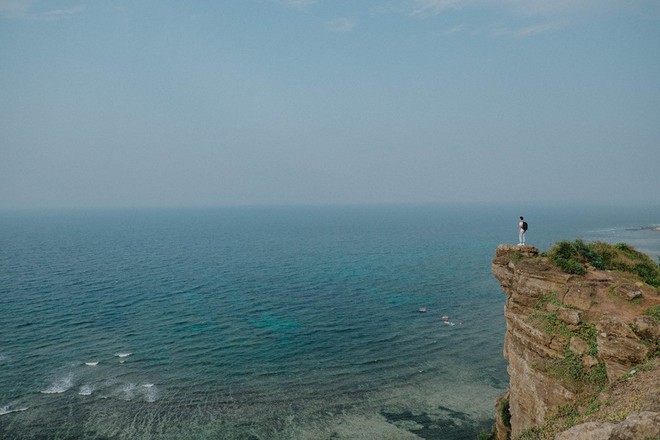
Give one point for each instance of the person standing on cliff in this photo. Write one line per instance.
(522, 228)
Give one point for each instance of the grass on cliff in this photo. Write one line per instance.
(570, 368)
(614, 404)
(572, 256)
(653, 312)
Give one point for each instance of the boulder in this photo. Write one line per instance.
(619, 347)
(629, 292)
(647, 328)
(578, 346)
(569, 316)
(551, 307)
(638, 426)
(580, 296)
(587, 431)
(588, 362)
(558, 344)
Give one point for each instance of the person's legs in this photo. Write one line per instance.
(520, 237)
(522, 240)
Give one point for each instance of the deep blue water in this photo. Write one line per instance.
(268, 323)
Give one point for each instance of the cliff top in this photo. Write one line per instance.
(631, 278)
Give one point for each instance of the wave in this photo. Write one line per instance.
(6, 410)
(91, 364)
(86, 390)
(128, 391)
(150, 392)
(123, 355)
(59, 386)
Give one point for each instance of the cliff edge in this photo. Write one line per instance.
(581, 347)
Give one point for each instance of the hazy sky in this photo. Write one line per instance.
(219, 102)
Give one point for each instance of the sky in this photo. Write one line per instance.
(323, 102)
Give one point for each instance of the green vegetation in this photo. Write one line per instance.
(653, 312)
(505, 417)
(486, 435)
(572, 256)
(553, 325)
(614, 405)
(580, 371)
(563, 418)
(552, 299)
(565, 256)
(505, 414)
(592, 408)
(570, 368)
(573, 374)
(647, 366)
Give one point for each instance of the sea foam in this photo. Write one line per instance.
(150, 392)
(86, 390)
(60, 385)
(7, 410)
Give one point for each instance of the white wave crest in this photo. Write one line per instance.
(92, 364)
(123, 355)
(60, 385)
(7, 410)
(86, 390)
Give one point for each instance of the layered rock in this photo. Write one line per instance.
(567, 334)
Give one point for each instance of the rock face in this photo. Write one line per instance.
(588, 431)
(565, 334)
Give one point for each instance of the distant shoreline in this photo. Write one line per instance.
(645, 228)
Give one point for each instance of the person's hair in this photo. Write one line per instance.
(521, 217)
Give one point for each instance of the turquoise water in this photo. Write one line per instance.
(264, 323)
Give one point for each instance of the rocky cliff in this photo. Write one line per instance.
(581, 351)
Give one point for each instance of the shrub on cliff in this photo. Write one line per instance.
(565, 255)
(505, 413)
(653, 312)
(572, 256)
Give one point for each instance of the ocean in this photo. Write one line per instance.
(266, 322)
